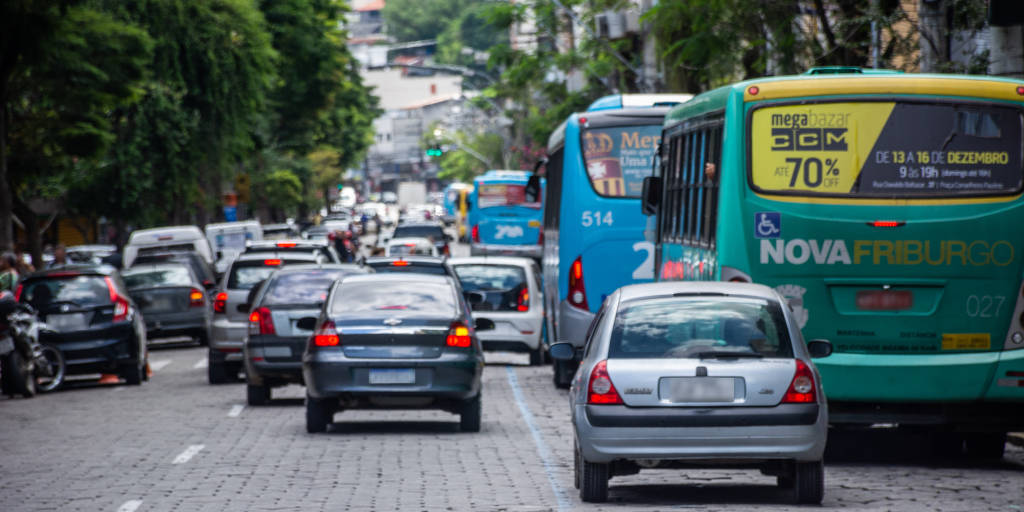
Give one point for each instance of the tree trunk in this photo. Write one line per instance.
(32, 232)
(6, 227)
(934, 36)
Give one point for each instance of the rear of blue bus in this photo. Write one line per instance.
(501, 219)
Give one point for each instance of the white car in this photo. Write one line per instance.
(512, 298)
(410, 246)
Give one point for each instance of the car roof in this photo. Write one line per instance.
(157, 266)
(168, 255)
(411, 258)
(400, 277)
(74, 268)
(640, 291)
(285, 255)
(410, 240)
(491, 260)
(300, 243)
(323, 266)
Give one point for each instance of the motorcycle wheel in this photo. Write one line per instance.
(18, 377)
(50, 369)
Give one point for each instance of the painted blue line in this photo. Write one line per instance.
(542, 447)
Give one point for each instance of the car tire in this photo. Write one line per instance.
(562, 378)
(986, 445)
(318, 415)
(257, 395)
(132, 375)
(203, 338)
(17, 377)
(537, 356)
(593, 481)
(470, 415)
(576, 464)
(784, 482)
(808, 482)
(216, 373)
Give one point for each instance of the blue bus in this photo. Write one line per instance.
(501, 220)
(597, 161)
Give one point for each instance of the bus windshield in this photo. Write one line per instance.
(618, 158)
(887, 149)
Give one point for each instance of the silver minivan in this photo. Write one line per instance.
(692, 374)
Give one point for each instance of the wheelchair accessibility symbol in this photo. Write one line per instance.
(767, 225)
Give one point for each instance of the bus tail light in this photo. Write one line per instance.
(475, 233)
(577, 292)
(600, 390)
(540, 236)
(195, 298)
(326, 335)
(801, 389)
(523, 302)
(260, 322)
(459, 336)
(887, 223)
(220, 303)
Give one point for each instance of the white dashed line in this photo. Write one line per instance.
(202, 363)
(235, 411)
(159, 365)
(189, 452)
(130, 506)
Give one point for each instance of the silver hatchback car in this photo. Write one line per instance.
(687, 374)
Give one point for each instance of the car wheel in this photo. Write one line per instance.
(133, 374)
(986, 445)
(318, 415)
(563, 377)
(216, 373)
(593, 481)
(203, 339)
(469, 416)
(257, 395)
(809, 482)
(784, 482)
(537, 356)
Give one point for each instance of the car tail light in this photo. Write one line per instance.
(272, 263)
(523, 303)
(195, 298)
(326, 335)
(447, 251)
(459, 336)
(801, 390)
(475, 233)
(577, 293)
(260, 322)
(120, 303)
(17, 292)
(600, 390)
(220, 303)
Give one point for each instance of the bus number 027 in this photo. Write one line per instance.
(984, 306)
(596, 218)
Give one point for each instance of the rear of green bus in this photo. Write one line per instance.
(888, 210)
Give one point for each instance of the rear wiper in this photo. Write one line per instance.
(724, 354)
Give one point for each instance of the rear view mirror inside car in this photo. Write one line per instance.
(819, 348)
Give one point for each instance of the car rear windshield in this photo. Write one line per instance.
(410, 248)
(620, 157)
(685, 327)
(156, 277)
(501, 285)
(412, 267)
(73, 290)
(307, 288)
(245, 275)
(503, 194)
(391, 298)
(434, 232)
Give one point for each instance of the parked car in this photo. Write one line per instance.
(231, 310)
(172, 300)
(410, 246)
(511, 296)
(684, 374)
(273, 348)
(165, 239)
(432, 230)
(296, 245)
(393, 340)
(95, 323)
(413, 264)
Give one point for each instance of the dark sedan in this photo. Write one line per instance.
(394, 341)
(172, 299)
(274, 346)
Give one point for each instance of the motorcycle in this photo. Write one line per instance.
(27, 366)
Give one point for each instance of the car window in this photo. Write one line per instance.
(412, 267)
(502, 285)
(390, 298)
(410, 248)
(244, 277)
(687, 326)
(155, 277)
(433, 232)
(78, 290)
(306, 288)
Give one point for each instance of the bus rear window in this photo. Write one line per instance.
(618, 158)
(503, 194)
(887, 149)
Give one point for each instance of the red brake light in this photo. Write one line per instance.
(459, 336)
(446, 250)
(476, 233)
(540, 236)
(287, 245)
(220, 303)
(272, 263)
(600, 390)
(523, 303)
(326, 335)
(17, 292)
(399, 263)
(801, 389)
(260, 322)
(887, 223)
(120, 303)
(164, 238)
(577, 292)
(195, 298)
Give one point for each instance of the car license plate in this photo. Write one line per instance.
(884, 300)
(277, 351)
(393, 376)
(160, 304)
(67, 322)
(697, 389)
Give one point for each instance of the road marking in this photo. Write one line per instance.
(130, 506)
(542, 448)
(202, 363)
(159, 365)
(189, 452)
(235, 411)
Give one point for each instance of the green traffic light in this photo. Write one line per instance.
(434, 152)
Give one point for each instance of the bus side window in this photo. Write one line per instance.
(691, 183)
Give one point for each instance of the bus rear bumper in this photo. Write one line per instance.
(956, 416)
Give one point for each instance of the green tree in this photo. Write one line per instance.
(414, 20)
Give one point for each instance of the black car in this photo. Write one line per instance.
(96, 324)
(393, 341)
(273, 349)
(173, 300)
(431, 230)
(202, 269)
(410, 264)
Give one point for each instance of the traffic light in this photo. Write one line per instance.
(435, 150)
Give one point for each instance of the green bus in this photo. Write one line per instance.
(887, 208)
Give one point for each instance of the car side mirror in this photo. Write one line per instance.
(819, 348)
(244, 307)
(651, 195)
(307, 323)
(474, 298)
(562, 351)
(483, 324)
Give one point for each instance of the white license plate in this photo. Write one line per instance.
(277, 351)
(161, 304)
(67, 322)
(393, 376)
(697, 389)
